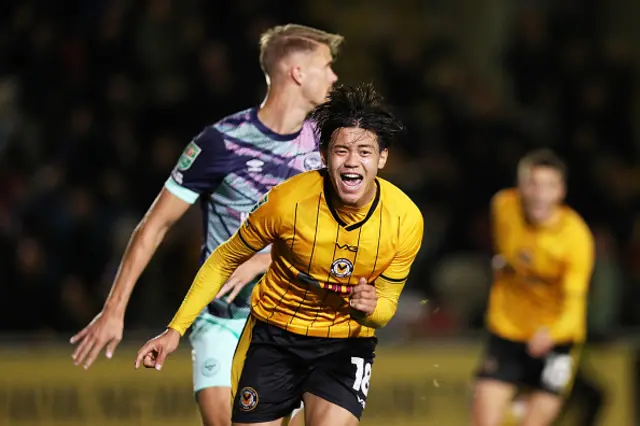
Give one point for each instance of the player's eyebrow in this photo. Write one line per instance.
(365, 145)
(357, 145)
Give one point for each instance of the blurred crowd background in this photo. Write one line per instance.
(98, 98)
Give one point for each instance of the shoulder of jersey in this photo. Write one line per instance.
(394, 198)
(576, 223)
(232, 121)
(505, 197)
(310, 124)
(300, 186)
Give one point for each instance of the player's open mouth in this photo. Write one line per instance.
(351, 180)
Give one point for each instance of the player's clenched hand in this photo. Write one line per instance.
(104, 329)
(154, 353)
(243, 275)
(363, 297)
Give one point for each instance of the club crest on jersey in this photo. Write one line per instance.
(312, 161)
(248, 399)
(188, 156)
(341, 268)
(525, 256)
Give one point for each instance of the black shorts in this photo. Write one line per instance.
(508, 361)
(273, 368)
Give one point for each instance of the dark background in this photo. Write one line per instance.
(98, 98)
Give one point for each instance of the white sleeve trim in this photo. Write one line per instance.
(186, 195)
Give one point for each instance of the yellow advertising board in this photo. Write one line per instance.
(42, 387)
(428, 385)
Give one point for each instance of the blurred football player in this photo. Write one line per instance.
(537, 309)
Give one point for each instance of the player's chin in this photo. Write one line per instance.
(322, 100)
(539, 214)
(325, 98)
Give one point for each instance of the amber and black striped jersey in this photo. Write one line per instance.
(542, 273)
(319, 252)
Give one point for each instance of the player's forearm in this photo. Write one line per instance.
(210, 278)
(142, 245)
(385, 310)
(571, 321)
(388, 294)
(263, 260)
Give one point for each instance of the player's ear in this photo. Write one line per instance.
(563, 193)
(323, 155)
(382, 160)
(297, 74)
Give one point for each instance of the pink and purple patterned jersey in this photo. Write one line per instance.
(229, 166)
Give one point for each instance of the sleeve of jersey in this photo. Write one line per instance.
(200, 168)
(498, 209)
(259, 230)
(576, 286)
(391, 282)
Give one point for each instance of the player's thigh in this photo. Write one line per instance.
(214, 341)
(214, 405)
(341, 378)
(267, 378)
(320, 412)
(542, 409)
(491, 398)
(501, 369)
(551, 377)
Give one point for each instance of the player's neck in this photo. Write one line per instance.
(549, 221)
(363, 204)
(281, 113)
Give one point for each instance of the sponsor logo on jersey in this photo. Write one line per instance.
(188, 156)
(255, 166)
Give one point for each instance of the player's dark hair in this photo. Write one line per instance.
(543, 158)
(355, 106)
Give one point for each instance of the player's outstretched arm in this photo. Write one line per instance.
(209, 280)
(207, 283)
(260, 229)
(106, 328)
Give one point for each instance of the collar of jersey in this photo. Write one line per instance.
(328, 192)
(253, 114)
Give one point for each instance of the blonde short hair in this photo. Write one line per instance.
(280, 41)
